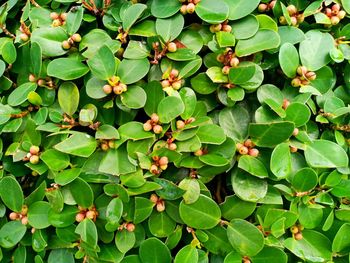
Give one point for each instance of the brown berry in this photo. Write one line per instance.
(163, 160)
(157, 129)
(226, 28)
(34, 150)
(172, 47)
(130, 227)
(79, 217)
(34, 159)
(76, 37)
(154, 118)
(13, 216)
(147, 126)
(253, 152)
(107, 89)
(243, 150)
(298, 236)
(66, 44)
(190, 8)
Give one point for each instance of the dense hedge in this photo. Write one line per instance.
(165, 130)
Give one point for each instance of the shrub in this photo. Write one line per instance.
(165, 130)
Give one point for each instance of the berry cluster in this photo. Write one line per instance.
(266, 7)
(153, 124)
(296, 231)
(20, 216)
(171, 80)
(90, 213)
(33, 155)
(170, 144)
(247, 148)
(130, 227)
(334, 13)
(58, 19)
(188, 6)
(158, 202)
(159, 164)
(47, 82)
(67, 44)
(304, 77)
(229, 59)
(105, 145)
(114, 85)
(224, 26)
(295, 17)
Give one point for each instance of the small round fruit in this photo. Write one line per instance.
(54, 15)
(294, 229)
(34, 159)
(13, 216)
(243, 150)
(79, 217)
(190, 8)
(285, 104)
(225, 70)
(198, 152)
(174, 73)
(253, 152)
(272, 4)
(91, 214)
(104, 146)
(157, 129)
(34, 150)
(24, 37)
(295, 132)
(163, 160)
(300, 18)
(111, 144)
(24, 210)
(341, 14)
(234, 62)
(335, 7)
(165, 83)
(107, 89)
(249, 143)
(63, 16)
(239, 146)
(160, 206)
(172, 47)
(292, 10)
(130, 227)
(296, 82)
(293, 149)
(76, 37)
(294, 21)
(24, 220)
(153, 198)
(282, 20)
(196, 1)
(301, 70)
(32, 78)
(176, 85)
(153, 169)
(123, 86)
(41, 82)
(220, 58)
(226, 28)
(215, 28)
(298, 236)
(147, 126)
(180, 124)
(190, 120)
(56, 23)
(262, 8)
(117, 90)
(172, 146)
(154, 118)
(183, 9)
(66, 44)
(163, 167)
(335, 20)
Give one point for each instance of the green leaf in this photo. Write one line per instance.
(182, 54)
(67, 68)
(143, 209)
(234, 207)
(305, 180)
(241, 8)
(246, 238)
(114, 211)
(225, 39)
(160, 224)
(88, 232)
(102, 64)
(79, 186)
(264, 39)
(298, 113)
(281, 161)
(269, 135)
(187, 254)
(131, 71)
(55, 160)
(152, 250)
(314, 50)
(9, 53)
(116, 162)
(11, 233)
(325, 154)
(212, 11)
(155, 94)
(346, 5)
(74, 19)
(20, 94)
(289, 59)
(78, 144)
(202, 84)
(164, 8)
(234, 121)
(166, 112)
(245, 27)
(202, 214)
(252, 166)
(60, 255)
(132, 13)
(242, 73)
(68, 97)
(134, 98)
(134, 130)
(11, 193)
(50, 40)
(170, 28)
(125, 240)
(38, 214)
(341, 242)
(107, 132)
(64, 218)
(270, 254)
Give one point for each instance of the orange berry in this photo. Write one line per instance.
(147, 126)
(215, 28)
(234, 62)
(296, 82)
(34, 159)
(91, 214)
(298, 236)
(294, 229)
(226, 28)
(243, 150)
(295, 131)
(163, 161)
(225, 70)
(172, 146)
(13, 216)
(190, 8)
(172, 47)
(154, 118)
(76, 37)
(130, 227)
(24, 37)
(79, 217)
(34, 150)
(157, 129)
(154, 198)
(24, 220)
(180, 124)
(198, 152)
(66, 44)
(253, 152)
(262, 8)
(183, 9)
(32, 78)
(54, 16)
(160, 206)
(107, 89)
